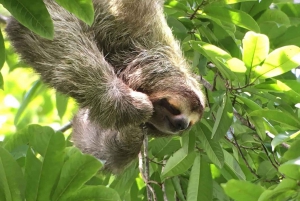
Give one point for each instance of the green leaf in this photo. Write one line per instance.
(178, 189)
(284, 186)
(2, 55)
(216, 55)
(236, 65)
(266, 170)
(290, 37)
(189, 140)
(33, 167)
(278, 116)
(243, 190)
(61, 104)
(279, 139)
(278, 62)
(32, 14)
(224, 119)
(11, 177)
(161, 147)
(77, 170)
(212, 147)
(255, 49)
(200, 182)
(83, 9)
(233, 165)
(26, 100)
(237, 17)
(274, 15)
(291, 169)
(51, 146)
(293, 151)
(95, 193)
(178, 163)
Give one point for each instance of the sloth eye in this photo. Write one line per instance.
(173, 110)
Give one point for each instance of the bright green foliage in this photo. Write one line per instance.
(246, 147)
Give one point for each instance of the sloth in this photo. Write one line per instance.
(126, 71)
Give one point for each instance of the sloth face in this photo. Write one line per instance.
(174, 114)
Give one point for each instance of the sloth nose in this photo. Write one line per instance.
(180, 123)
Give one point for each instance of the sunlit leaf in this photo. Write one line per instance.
(255, 49)
(278, 62)
(236, 65)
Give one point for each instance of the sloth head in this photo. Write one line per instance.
(177, 99)
(175, 110)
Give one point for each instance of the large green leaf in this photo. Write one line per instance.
(77, 170)
(12, 181)
(32, 14)
(278, 62)
(224, 119)
(274, 15)
(43, 174)
(95, 193)
(211, 147)
(200, 183)
(177, 164)
(216, 55)
(83, 9)
(255, 49)
(291, 169)
(237, 17)
(243, 190)
(278, 116)
(233, 166)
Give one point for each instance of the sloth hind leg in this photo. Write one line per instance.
(116, 148)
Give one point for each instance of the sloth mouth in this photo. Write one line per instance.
(155, 131)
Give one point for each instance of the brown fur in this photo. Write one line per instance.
(125, 70)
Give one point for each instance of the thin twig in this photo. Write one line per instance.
(65, 127)
(241, 153)
(195, 11)
(205, 83)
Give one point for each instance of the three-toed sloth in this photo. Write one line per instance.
(125, 71)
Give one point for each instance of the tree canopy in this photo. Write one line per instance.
(245, 53)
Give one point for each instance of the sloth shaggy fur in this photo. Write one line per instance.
(117, 70)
